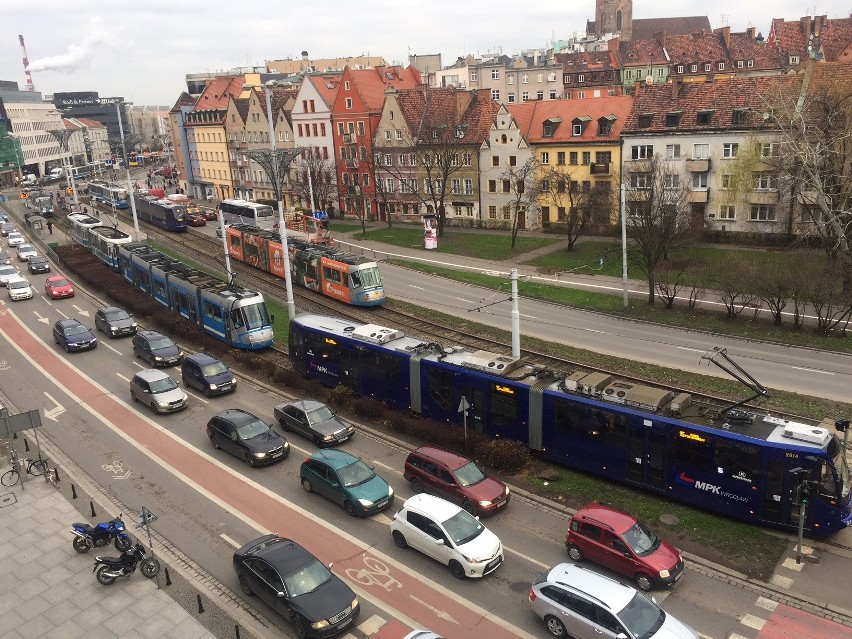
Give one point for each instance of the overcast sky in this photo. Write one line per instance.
(142, 49)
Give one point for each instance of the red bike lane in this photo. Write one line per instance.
(387, 581)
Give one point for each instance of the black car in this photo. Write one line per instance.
(73, 336)
(5, 258)
(38, 264)
(247, 437)
(156, 349)
(297, 585)
(208, 374)
(115, 321)
(314, 420)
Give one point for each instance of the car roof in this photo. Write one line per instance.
(618, 520)
(17, 278)
(55, 278)
(39, 258)
(334, 458)
(447, 457)
(111, 309)
(613, 594)
(202, 358)
(236, 415)
(69, 322)
(150, 334)
(284, 554)
(306, 405)
(151, 375)
(431, 505)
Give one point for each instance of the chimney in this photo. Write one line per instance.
(805, 23)
(750, 32)
(661, 37)
(612, 44)
(676, 87)
(305, 56)
(725, 32)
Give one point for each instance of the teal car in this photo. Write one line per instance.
(346, 480)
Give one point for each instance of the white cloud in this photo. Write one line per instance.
(79, 54)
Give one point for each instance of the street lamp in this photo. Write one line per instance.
(62, 136)
(127, 171)
(274, 162)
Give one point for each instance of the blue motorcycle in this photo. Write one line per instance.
(87, 536)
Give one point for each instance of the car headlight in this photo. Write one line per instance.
(113, 330)
(234, 381)
(70, 290)
(318, 625)
(157, 358)
(390, 491)
(472, 560)
(507, 491)
(485, 503)
(354, 603)
(328, 438)
(162, 404)
(366, 503)
(350, 429)
(133, 325)
(213, 387)
(259, 455)
(664, 574)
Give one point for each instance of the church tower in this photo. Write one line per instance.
(614, 16)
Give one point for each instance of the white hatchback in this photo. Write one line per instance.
(8, 272)
(448, 534)
(19, 289)
(15, 239)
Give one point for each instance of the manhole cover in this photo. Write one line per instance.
(669, 520)
(8, 499)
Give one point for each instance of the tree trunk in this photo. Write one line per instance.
(651, 286)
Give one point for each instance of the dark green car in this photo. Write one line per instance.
(347, 481)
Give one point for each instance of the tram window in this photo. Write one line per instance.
(160, 288)
(320, 350)
(236, 241)
(827, 482)
(584, 422)
(693, 450)
(385, 368)
(737, 460)
(356, 279)
(504, 409)
(212, 311)
(441, 388)
(237, 319)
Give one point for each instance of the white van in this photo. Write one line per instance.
(57, 173)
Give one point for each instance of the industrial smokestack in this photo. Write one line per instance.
(30, 85)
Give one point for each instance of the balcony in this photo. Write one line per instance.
(600, 168)
(699, 196)
(763, 197)
(349, 138)
(698, 166)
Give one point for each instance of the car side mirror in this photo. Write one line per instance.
(281, 595)
(233, 437)
(626, 553)
(439, 542)
(147, 390)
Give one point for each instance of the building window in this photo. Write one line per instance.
(794, 59)
(671, 181)
(707, 67)
(673, 151)
(750, 64)
(510, 79)
(495, 95)
(581, 77)
(577, 130)
(765, 181)
(495, 74)
(721, 66)
(700, 151)
(539, 77)
(539, 95)
(468, 186)
(492, 186)
(390, 185)
(762, 213)
(545, 157)
(572, 156)
(361, 130)
(560, 157)
(693, 67)
(525, 96)
(727, 181)
(769, 149)
(513, 160)
(456, 186)
(348, 103)
(511, 98)
(388, 134)
(639, 181)
(492, 212)
(587, 158)
(642, 152)
(474, 75)
(730, 150)
(699, 181)
(553, 94)
(581, 95)
(525, 79)
(628, 74)
(507, 186)
(495, 160)
(728, 212)
(388, 159)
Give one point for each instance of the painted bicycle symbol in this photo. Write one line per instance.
(117, 469)
(375, 573)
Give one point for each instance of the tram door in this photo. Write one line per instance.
(350, 368)
(646, 456)
(475, 398)
(778, 494)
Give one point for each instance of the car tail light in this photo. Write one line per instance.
(307, 459)
(532, 594)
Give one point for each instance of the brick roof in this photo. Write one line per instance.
(183, 100)
(695, 48)
(833, 36)
(217, 93)
(531, 116)
(637, 53)
(588, 60)
(645, 28)
(448, 106)
(327, 85)
(372, 83)
(719, 99)
(242, 107)
(743, 46)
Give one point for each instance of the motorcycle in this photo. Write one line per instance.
(87, 536)
(109, 569)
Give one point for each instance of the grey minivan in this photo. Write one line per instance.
(208, 374)
(158, 390)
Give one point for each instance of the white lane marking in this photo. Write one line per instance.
(691, 350)
(126, 379)
(117, 352)
(62, 314)
(811, 370)
(199, 398)
(592, 330)
(528, 316)
(461, 299)
(230, 541)
(419, 288)
(385, 466)
(529, 559)
(372, 625)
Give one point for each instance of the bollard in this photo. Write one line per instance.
(26, 445)
(200, 607)
(73, 492)
(168, 577)
(56, 474)
(92, 504)
(237, 631)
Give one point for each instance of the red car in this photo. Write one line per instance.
(619, 541)
(195, 219)
(56, 286)
(455, 478)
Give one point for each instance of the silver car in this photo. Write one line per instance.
(25, 252)
(576, 602)
(15, 239)
(19, 289)
(7, 272)
(158, 390)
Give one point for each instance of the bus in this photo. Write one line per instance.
(250, 213)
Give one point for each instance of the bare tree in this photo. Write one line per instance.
(317, 173)
(524, 189)
(579, 206)
(814, 115)
(657, 215)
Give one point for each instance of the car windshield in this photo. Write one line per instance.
(321, 414)
(23, 248)
(470, 474)
(249, 430)
(116, 315)
(642, 617)
(641, 539)
(214, 369)
(162, 385)
(18, 284)
(463, 527)
(38, 260)
(7, 270)
(307, 579)
(55, 283)
(160, 342)
(77, 329)
(355, 473)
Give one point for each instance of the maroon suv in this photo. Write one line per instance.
(456, 479)
(619, 541)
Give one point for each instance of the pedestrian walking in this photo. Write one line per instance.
(50, 227)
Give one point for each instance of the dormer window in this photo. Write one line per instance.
(705, 116)
(579, 125)
(680, 68)
(549, 127)
(673, 118)
(740, 116)
(794, 59)
(605, 125)
(645, 120)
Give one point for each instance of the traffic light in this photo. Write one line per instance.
(800, 480)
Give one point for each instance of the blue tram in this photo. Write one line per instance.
(227, 312)
(163, 213)
(79, 225)
(104, 242)
(648, 437)
(108, 194)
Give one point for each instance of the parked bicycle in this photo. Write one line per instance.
(34, 467)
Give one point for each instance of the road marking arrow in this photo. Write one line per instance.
(41, 319)
(54, 412)
(81, 311)
(443, 615)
